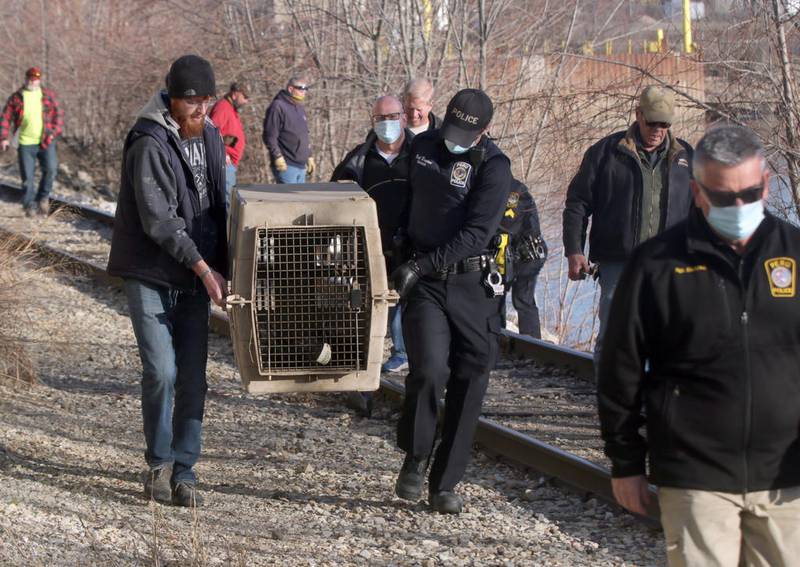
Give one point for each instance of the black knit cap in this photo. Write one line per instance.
(191, 75)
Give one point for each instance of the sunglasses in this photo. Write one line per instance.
(383, 117)
(300, 87)
(729, 198)
(664, 125)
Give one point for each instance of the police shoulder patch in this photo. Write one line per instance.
(460, 174)
(782, 275)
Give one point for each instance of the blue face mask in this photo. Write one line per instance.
(455, 148)
(388, 130)
(736, 223)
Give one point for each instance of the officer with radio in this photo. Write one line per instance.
(459, 183)
(523, 253)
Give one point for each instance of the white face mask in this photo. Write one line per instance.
(736, 223)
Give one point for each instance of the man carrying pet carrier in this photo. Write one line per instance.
(459, 181)
(169, 246)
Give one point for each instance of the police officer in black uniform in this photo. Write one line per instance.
(525, 257)
(459, 183)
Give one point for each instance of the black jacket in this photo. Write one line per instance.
(286, 130)
(454, 212)
(159, 230)
(386, 183)
(721, 333)
(608, 187)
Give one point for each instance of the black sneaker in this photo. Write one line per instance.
(411, 478)
(156, 484)
(446, 502)
(186, 494)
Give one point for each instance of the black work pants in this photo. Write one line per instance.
(451, 329)
(523, 297)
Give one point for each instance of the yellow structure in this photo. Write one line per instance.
(687, 26)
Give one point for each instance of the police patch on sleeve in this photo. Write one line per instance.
(460, 174)
(782, 274)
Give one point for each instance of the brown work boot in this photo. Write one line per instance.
(30, 210)
(156, 484)
(44, 207)
(186, 494)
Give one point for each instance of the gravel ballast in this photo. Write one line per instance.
(288, 480)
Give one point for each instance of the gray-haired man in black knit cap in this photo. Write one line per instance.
(169, 247)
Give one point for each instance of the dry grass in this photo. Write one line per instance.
(16, 367)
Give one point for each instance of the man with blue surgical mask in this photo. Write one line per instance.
(704, 331)
(459, 182)
(380, 167)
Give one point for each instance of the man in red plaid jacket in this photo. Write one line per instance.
(32, 113)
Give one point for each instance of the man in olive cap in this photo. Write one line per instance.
(170, 249)
(633, 184)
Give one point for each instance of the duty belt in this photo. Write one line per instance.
(471, 264)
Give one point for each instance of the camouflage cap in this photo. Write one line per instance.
(657, 104)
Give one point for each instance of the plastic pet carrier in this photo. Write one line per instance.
(309, 296)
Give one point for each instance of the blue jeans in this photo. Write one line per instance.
(396, 332)
(27, 156)
(293, 174)
(230, 181)
(609, 276)
(171, 329)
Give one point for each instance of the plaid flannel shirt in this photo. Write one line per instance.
(52, 115)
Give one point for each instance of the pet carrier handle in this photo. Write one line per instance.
(390, 296)
(234, 300)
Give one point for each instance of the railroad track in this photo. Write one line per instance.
(494, 438)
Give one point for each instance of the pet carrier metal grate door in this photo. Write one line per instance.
(309, 297)
(309, 303)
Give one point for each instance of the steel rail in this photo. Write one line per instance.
(566, 469)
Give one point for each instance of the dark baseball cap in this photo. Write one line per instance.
(468, 113)
(33, 73)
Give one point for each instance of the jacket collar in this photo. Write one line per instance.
(628, 143)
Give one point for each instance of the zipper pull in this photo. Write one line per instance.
(744, 317)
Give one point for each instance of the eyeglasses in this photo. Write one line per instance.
(729, 198)
(664, 125)
(300, 87)
(384, 117)
(194, 102)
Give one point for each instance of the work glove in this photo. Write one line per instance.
(310, 166)
(405, 277)
(280, 164)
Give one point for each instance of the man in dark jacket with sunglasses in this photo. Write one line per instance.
(633, 184)
(704, 331)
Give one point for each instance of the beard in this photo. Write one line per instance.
(189, 125)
